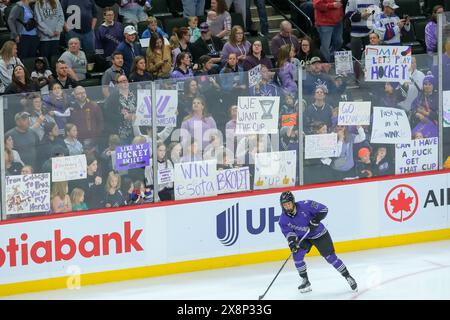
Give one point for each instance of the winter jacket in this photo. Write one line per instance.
(326, 14)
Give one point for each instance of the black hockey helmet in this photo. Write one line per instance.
(287, 196)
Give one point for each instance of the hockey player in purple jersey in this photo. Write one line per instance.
(296, 219)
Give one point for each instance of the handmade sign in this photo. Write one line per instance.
(390, 125)
(417, 156)
(69, 168)
(275, 169)
(27, 193)
(257, 115)
(388, 63)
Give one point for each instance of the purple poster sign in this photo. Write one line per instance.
(132, 156)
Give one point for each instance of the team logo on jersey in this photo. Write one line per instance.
(401, 203)
(228, 225)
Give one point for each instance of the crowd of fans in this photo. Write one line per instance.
(48, 111)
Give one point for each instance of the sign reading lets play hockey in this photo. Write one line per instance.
(388, 63)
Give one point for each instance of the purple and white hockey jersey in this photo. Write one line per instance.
(388, 30)
(298, 225)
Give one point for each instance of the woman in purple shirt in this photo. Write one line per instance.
(198, 122)
(237, 44)
(286, 72)
(431, 40)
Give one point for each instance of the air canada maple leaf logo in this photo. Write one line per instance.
(401, 203)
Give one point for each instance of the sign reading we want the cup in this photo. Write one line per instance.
(257, 115)
(388, 63)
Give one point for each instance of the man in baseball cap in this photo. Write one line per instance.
(130, 48)
(390, 4)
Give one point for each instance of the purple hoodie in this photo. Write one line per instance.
(431, 37)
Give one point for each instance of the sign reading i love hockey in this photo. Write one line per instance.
(388, 63)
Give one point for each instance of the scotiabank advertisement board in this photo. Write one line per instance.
(142, 237)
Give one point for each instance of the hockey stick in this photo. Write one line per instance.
(270, 285)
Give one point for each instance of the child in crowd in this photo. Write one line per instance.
(381, 164)
(75, 147)
(108, 155)
(364, 164)
(194, 31)
(113, 196)
(77, 198)
(41, 75)
(60, 200)
(166, 191)
(26, 170)
(211, 20)
(153, 27)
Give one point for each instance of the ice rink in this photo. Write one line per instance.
(420, 271)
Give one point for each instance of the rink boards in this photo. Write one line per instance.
(67, 251)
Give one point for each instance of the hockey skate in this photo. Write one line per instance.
(305, 286)
(352, 283)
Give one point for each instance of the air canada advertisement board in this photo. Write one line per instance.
(53, 248)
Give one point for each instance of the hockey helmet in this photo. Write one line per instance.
(285, 197)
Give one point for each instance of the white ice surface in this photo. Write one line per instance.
(419, 271)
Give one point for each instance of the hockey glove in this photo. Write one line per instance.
(356, 17)
(313, 224)
(293, 244)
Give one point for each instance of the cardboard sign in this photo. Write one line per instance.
(320, 145)
(354, 113)
(275, 169)
(166, 108)
(289, 120)
(28, 193)
(446, 108)
(417, 156)
(69, 168)
(132, 156)
(254, 76)
(257, 115)
(195, 179)
(388, 63)
(343, 61)
(165, 176)
(233, 180)
(390, 125)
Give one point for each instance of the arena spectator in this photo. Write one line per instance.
(60, 198)
(424, 113)
(133, 11)
(191, 151)
(289, 138)
(77, 199)
(431, 34)
(221, 27)
(193, 8)
(23, 29)
(315, 76)
(198, 121)
(21, 82)
(364, 167)
(284, 37)
(63, 77)
(194, 31)
(92, 185)
(256, 56)
(130, 48)
(286, 72)
(57, 103)
(344, 163)
(41, 75)
(139, 71)
(329, 22)
(12, 167)
(233, 84)
(25, 139)
(9, 145)
(50, 139)
(75, 60)
(38, 115)
(113, 196)
(381, 163)
(73, 145)
(389, 26)
(174, 44)
(361, 15)
(87, 116)
(121, 111)
(393, 95)
(206, 77)
(175, 152)
(184, 40)
(262, 13)
(110, 76)
(318, 111)
(190, 92)
(153, 28)
(266, 87)
(50, 21)
(107, 37)
(81, 19)
(8, 61)
(307, 51)
(240, 7)
(238, 44)
(207, 44)
(413, 87)
(159, 58)
(183, 68)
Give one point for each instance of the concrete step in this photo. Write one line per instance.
(269, 9)
(274, 22)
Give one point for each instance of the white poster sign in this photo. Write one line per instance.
(233, 180)
(446, 108)
(388, 63)
(257, 115)
(166, 108)
(320, 145)
(417, 156)
(195, 179)
(69, 168)
(354, 113)
(254, 76)
(344, 62)
(275, 169)
(28, 193)
(390, 125)
(165, 175)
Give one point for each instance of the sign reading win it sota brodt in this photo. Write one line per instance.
(387, 63)
(257, 115)
(132, 156)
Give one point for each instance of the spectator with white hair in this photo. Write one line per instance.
(75, 60)
(284, 37)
